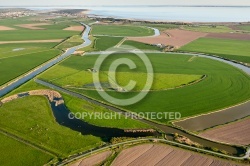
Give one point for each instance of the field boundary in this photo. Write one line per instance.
(19, 139)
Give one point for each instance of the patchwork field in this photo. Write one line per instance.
(227, 48)
(116, 30)
(22, 153)
(221, 117)
(236, 133)
(174, 37)
(33, 26)
(216, 88)
(160, 154)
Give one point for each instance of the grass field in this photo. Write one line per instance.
(71, 42)
(219, 89)
(204, 28)
(83, 79)
(116, 30)
(141, 46)
(161, 27)
(35, 123)
(78, 105)
(102, 43)
(16, 66)
(9, 50)
(244, 27)
(21, 154)
(228, 48)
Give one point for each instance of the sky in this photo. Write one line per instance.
(122, 2)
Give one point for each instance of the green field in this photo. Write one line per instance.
(116, 30)
(9, 50)
(16, 153)
(141, 46)
(228, 48)
(102, 43)
(71, 42)
(161, 27)
(218, 90)
(244, 27)
(36, 123)
(53, 31)
(206, 28)
(76, 79)
(16, 66)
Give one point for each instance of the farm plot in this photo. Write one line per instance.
(174, 37)
(84, 79)
(5, 28)
(74, 28)
(236, 36)
(212, 93)
(71, 42)
(208, 28)
(227, 48)
(227, 115)
(160, 154)
(16, 66)
(36, 124)
(35, 26)
(116, 30)
(236, 133)
(102, 43)
(139, 45)
(22, 153)
(94, 159)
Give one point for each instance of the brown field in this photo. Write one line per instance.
(237, 36)
(237, 133)
(74, 28)
(4, 28)
(33, 26)
(205, 121)
(174, 37)
(32, 41)
(160, 154)
(93, 160)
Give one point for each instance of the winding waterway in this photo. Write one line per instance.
(61, 112)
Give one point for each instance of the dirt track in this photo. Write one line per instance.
(237, 36)
(74, 28)
(159, 154)
(234, 133)
(33, 26)
(174, 37)
(32, 41)
(4, 28)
